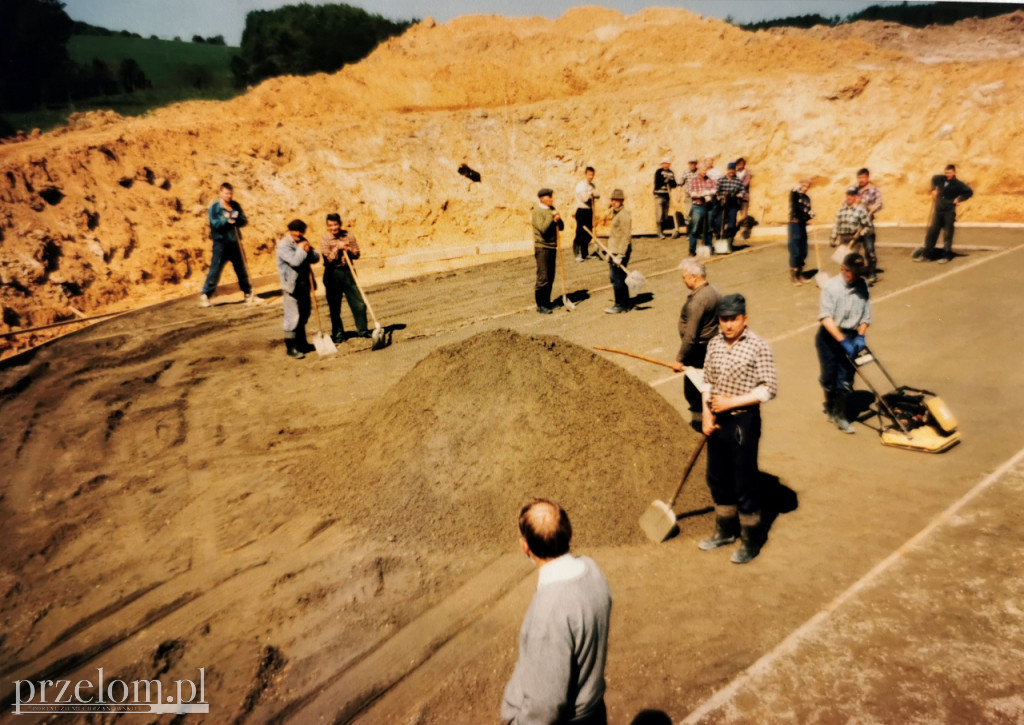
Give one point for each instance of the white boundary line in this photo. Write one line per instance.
(790, 643)
(883, 298)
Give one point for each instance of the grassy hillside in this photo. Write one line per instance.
(159, 59)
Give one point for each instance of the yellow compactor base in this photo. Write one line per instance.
(925, 439)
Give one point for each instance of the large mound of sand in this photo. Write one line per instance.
(109, 212)
(477, 428)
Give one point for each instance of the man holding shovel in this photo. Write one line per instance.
(948, 192)
(226, 218)
(698, 324)
(740, 375)
(620, 238)
(294, 257)
(852, 221)
(586, 196)
(547, 222)
(338, 278)
(871, 199)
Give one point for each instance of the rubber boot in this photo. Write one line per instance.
(793, 278)
(289, 343)
(751, 538)
(301, 343)
(839, 413)
(872, 271)
(726, 528)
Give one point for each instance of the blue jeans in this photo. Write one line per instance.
(729, 230)
(699, 223)
(226, 252)
(797, 244)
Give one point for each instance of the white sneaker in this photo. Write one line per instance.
(204, 301)
(250, 299)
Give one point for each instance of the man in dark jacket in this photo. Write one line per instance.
(948, 192)
(226, 218)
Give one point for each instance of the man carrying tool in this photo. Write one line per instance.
(948, 192)
(586, 196)
(546, 224)
(739, 372)
(563, 642)
(845, 313)
(799, 214)
(664, 182)
(852, 220)
(338, 278)
(294, 257)
(226, 218)
(620, 246)
(698, 323)
(871, 199)
(702, 193)
(730, 193)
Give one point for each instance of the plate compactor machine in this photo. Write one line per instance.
(911, 418)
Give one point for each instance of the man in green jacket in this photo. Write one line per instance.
(547, 222)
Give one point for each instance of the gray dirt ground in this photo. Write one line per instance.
(151, 502)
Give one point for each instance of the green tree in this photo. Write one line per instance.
(132, 76)
(34, 62)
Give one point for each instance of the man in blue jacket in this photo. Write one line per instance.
(226, 218)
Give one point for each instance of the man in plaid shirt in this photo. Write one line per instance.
(852, 220)
(730, 193)
(740, 373)
(702, 191)
(871, 199)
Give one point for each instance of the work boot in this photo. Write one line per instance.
(250, 298)
(543, 310)
(918, 255)
(301, 343)
(751, 538)
(338, 336)
(830, 406)
(839, 413)
(616, 310)
(794, 277)
(204, 301)
(726, 529)
(292, 351)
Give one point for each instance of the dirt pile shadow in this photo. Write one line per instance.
(452, 451)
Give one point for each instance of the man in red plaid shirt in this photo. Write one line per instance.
(702, 192)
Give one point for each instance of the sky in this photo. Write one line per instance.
(185, 18)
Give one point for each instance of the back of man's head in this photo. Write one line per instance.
(545, 527)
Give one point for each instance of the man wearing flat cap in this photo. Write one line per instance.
(739, 371)
(852, 220)
(620, 246)
(546, 224)
(730, 192)
(845, 313)
(664, 182)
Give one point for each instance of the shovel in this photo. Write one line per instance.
(634, 280)
(637, 356)
(821, 278)
(323, 344)
(843, 249)
(566, 302)
(659, 520)
(378, 338)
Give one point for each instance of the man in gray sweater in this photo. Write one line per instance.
(563, 643)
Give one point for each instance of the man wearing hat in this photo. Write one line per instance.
(730, 192)
(664, 182)
(845, 313)
(739, 371)
(852, 220)
(685, 200)
(546, 224)
(620, 238)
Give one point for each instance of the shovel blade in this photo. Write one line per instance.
(840, 253)
(658, 522)
(323, 344)
(377, 338)
(635, 282)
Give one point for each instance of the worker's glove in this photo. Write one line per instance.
(849, 347)
(232, 216)
(859, 343)
(617, 258)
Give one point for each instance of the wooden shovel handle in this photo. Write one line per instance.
(638, 357)
(689, 467)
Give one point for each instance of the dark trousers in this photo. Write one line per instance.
(694, 359)
(943, 220)
(338, 282)
(661, 202)
(699, 225)
(732, 460)
(727, 222)
(618, 280)
(836, 369)
(226, 252)
(545, 275)
(797, 244)
(581, 243)
(715, 218)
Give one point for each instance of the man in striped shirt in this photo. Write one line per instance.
(740, 373)
(845, 313)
